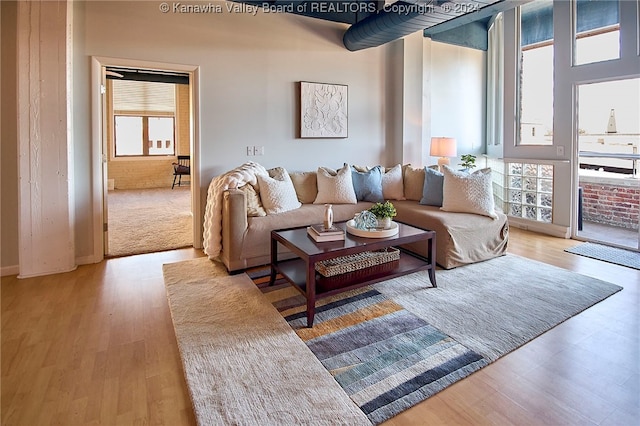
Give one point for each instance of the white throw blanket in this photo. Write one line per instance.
(235, 178)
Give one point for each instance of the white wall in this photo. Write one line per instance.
(457, 96)
(249, 69)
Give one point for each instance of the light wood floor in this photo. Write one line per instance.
(96, 346)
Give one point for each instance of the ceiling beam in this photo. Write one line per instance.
(478, 15)
(402, 18)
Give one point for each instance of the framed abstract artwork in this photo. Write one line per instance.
(323, 110)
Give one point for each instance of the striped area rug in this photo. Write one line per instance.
(384, 357)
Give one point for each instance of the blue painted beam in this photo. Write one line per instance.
(477, 15)
(473, 35)
(402, 18)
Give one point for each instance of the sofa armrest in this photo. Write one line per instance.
(234, 226)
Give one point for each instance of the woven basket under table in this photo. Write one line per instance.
(354, 262)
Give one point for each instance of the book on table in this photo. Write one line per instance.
(325, 236)
(321, 230)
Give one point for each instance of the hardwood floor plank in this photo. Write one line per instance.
(97, 346)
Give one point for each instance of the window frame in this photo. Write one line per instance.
(145, 134)
(519, 69)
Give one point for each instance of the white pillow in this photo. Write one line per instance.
(468, 193)
(278, 195)
(335, 188)
(393, 184)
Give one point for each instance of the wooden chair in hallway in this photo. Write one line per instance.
(181, 168)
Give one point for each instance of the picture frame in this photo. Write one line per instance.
(324, 110)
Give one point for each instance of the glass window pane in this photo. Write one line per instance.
(161, 131)
(609, 144)
(536, 73)
(597, 32)
(128, 135)
(530, 193)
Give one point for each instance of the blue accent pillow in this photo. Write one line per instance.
(368, 185)
(432, 190)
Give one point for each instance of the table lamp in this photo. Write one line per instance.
(444, 148)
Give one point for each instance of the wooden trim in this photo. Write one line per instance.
(100, 183)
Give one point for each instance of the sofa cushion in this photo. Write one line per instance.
(432, 189)
(461, 238)
(468, 193)
(360, 168)
(254, 204)
(306, 185)
(368, 185)
(278, 195)
(335, 187)
(257, 239)
(393, 183)
(413, 182)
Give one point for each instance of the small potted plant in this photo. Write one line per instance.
(468, 162)
(384, 212)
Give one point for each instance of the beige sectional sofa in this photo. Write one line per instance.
(461, 237)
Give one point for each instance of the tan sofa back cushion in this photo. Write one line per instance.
(306, 185)
(413, 182)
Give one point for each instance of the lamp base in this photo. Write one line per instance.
(442, 161)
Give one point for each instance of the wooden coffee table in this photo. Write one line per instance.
(301, 271)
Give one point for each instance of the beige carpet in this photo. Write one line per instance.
(244, 365)
(149, 220)
(240, 356)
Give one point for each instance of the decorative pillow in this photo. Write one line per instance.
(278, 195)
(432, 190)
(306, 185)
(277, 173)
(468, 192)
(254, 205)
(413, 182)
(368, 185)
(392, 183)
(335, 188)
(360, 168)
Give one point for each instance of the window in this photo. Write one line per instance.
(143, 118)
(530, 191)
(131, 132)
(536, 74)
(597, 31)
(495, 81)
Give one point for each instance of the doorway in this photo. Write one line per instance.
(608, 159)
(147, 117)
(147, 123)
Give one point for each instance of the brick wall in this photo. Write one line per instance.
(611, 203)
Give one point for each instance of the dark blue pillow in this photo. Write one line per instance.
(368, 185)
(432, 190)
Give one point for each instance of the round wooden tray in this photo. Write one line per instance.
(373, 233)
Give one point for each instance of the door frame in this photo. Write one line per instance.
(575, 161)
(99, 156)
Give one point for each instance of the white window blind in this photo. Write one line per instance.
(143, 96)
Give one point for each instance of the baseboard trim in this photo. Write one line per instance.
(15, 269)
(87, 260)
(9, 270)
(539, 227)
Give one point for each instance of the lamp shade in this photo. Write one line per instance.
(443, 147)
